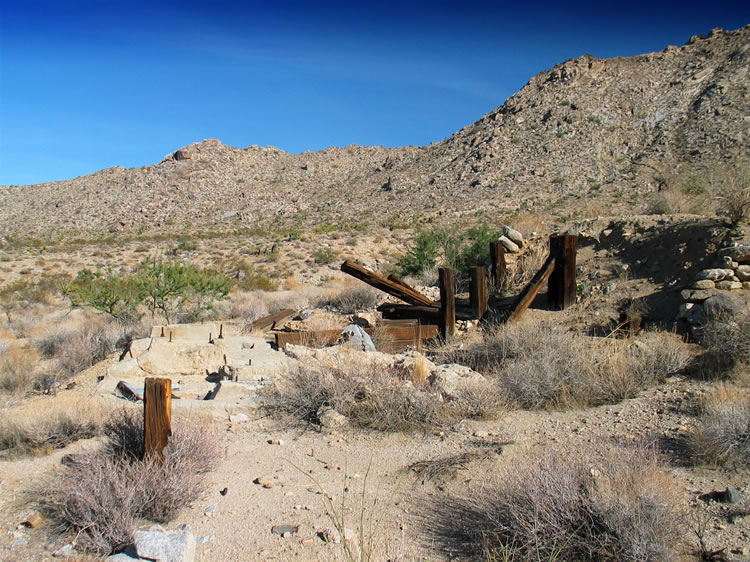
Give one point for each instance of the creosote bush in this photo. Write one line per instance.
(377, 400)
(559, 505)
(102, 494)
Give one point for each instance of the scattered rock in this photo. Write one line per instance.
(205, 539)
(731, 495)
(275, 441)
(714, 274)
(513, 235)
(704, 284)
(510, 246)
(284, 529)
(695, 296)
(451, 378)
(356, 337)
(238, 418)
(158, 544)
(330, 418)
(266, 481)
(64, 551)
(210, 510)
(727, 285)
(743, 273)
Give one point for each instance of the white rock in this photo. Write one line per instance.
(330, 418)
(157, 544)
(513, 235)
(685, 310)
(238, 418)
(714, 274)
(510, 246)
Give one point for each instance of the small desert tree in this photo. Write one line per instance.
(169, 286)
(116, 295)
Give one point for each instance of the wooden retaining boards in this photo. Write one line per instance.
(398, 337)
(562, 283)
(426, 314)
(399, 290)
(272, 319)
(530, 291)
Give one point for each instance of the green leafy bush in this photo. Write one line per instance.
(448, 247)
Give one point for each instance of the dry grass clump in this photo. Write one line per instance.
(34, 430)
(378, 400)
(554, 505)
(518, 275)
(352, 298)
(78, 347)
(727, 341)
(101, 494)
(542, 366)
(722, 437)
(17, 367)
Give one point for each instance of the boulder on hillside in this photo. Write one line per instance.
(513, 235)
(723, 306)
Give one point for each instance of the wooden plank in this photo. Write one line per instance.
(478, 292)
(381, 283)
(497, 264)
(273, 319)
(562, 282)
(447, 303)
(157, 415)
(399, 335)
(530, 291)
(425, 314)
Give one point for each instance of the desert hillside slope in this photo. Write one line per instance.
(615, 129)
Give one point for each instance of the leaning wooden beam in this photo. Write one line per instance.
(562, 283)
(271, 319)
(531, 290)
(447, 303)
(376, 280)
(157, 415)
(397, 337)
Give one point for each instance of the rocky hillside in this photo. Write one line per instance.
(610, 131)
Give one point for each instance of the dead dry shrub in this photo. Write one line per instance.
(101, 494)
(555, 505)
(78, 347)
(34, 430)
(727, 343)
(17, 368)
(722, 437)
(731, 191)
(542, 366)
(378, 400)
(518, 275)
(352, 299)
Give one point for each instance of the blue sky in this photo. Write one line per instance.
(88, 85)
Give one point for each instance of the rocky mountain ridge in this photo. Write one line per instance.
(604, 131)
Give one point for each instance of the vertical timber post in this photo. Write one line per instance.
(562, 283)
(497, 264)
(447, 303)
(478, 292)
(157, 415)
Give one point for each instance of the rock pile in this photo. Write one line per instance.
(707, 298)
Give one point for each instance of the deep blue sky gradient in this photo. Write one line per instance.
(88, 85)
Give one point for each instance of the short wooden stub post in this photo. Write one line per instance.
(497, 264)
(478, 292)
(447, 303)
(561, 289)
(157, 415)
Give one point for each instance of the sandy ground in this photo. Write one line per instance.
(314, 475)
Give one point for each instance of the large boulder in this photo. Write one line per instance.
(451, 379)
(165, 358)
(739, 253)
(513, 235)
(723, 306)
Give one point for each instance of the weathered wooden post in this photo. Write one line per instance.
(478, 292)
(447, 303)
(561, 289)
(497, 264)
(157, 415)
